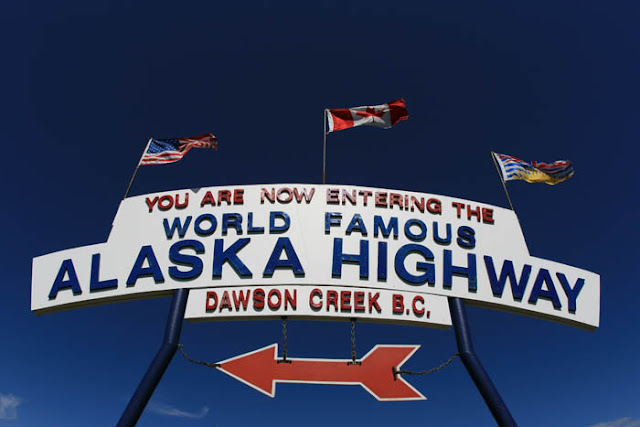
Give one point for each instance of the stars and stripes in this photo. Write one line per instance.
(162, 151)
(549, 173)
(382, 116)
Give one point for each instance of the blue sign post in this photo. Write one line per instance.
(159, 364)
(479, 376)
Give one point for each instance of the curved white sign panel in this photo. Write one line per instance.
(316, 235)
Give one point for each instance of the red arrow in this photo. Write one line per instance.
(260, 369)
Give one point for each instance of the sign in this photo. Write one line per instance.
(312, 302)
(261, 370)
(304, 235)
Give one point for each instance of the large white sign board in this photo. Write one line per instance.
(316, 235)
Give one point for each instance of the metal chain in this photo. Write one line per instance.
(353, 355)
(430, 371)
(353, 344)
(284, 341)
(197, 362)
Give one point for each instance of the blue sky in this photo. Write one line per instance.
(85, 84)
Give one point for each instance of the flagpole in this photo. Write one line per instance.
(324, 147)
(493, 156)
(126, 193)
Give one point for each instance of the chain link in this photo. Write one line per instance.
(284, 341)
(353, 344)
(197, 362)
(430, 371)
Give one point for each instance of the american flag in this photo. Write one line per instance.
(549, 173)
(162, 151)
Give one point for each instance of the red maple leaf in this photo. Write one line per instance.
(371, 111)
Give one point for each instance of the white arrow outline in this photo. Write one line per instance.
(275, 381)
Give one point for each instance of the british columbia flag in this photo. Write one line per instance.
(549, 173)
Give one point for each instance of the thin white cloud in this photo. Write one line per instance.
(172, 411)
(620, 422)
(9, 406)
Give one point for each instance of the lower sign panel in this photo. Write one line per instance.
(320, 302)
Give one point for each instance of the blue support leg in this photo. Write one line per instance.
(159, 364)
(480, 377)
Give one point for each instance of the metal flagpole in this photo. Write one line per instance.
(493, 156)
(324, 147)
(126, 193)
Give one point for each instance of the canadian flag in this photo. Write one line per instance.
(382, 116)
